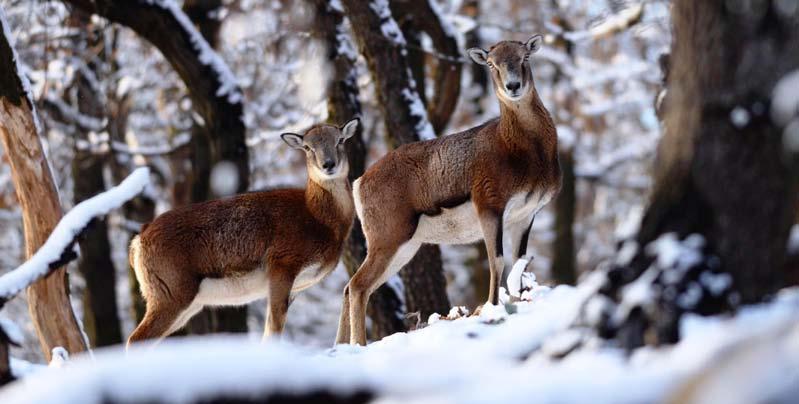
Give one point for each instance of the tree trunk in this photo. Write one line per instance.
(342, 105)
(471, 8)
(416, 17)
(5, 358)
(220, 319)
(425, 284)
(396, 92)
(722, 171)
(100, 319)
(563, 266)
(140, 209)
(48, 298)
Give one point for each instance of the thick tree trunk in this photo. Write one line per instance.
(48, 298)
(425, 284)
(722, 172)
(393, 82)
(342, 105)
(563, 262)
(100, 319)
(223, 319)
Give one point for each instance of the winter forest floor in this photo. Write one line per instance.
(530, 355)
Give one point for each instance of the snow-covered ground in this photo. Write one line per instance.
(490, 358)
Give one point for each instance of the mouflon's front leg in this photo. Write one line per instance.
(278, 303)
(491, 224)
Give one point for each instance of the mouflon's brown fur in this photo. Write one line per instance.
(259, 244)
(482, 183)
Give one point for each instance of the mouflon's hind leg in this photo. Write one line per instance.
(170, 304)
(343, 333)
(361, 286)
(520, 244)
(382, 262)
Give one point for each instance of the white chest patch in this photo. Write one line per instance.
(521, 207)
(309, 276)
(458, 225)
(233, 291)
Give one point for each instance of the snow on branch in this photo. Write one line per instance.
(58, 249)
(228, 85)
(388, 26)
(611, 25)
(70, 115)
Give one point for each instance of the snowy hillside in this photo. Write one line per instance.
(492, 357)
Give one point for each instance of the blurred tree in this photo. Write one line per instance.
(100, 318)
(48, 298)
(217, 100)
(384, 50)
(5, 358)
(480, 84)
(421, 17)
(343, 103)
(722, 173)
(564, 268)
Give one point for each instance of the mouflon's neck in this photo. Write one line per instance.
(525, 120)
(330, 201)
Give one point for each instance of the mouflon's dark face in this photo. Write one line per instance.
(509, 63)
(324, 150)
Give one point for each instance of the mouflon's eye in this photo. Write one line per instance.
(307, 148)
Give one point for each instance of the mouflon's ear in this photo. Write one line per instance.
(349, 129)
(293, 140)
(479, 55)
(534, 44)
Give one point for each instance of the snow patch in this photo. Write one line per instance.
(785, 99)
(423, 127)
(512, 360)
(11, 331)
(388, 26)
(740, 117)
(515, 277)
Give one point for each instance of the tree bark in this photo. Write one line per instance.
(471, 8)
(48, 298)
(391, 74)
(342, 105)
(100, 319)
(563, 262)
(718, 175)
(416, 17)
